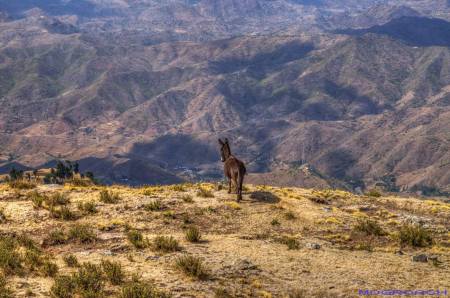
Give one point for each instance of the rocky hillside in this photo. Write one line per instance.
(194, 240)
(361, 107)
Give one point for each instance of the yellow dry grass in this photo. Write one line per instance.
(240, 246)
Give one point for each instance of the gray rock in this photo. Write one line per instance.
(313, 245)
(423, 258)
(399, 252)
(246, 265)
(327, 209)
(108, 253)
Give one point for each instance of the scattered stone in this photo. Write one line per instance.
(246, 265)
(119, 248)
(367, 208)
(327, 209)
(423, 258)
(415, 220)
(313, 245)
(399, 252)
(108, 253)
(152, 258)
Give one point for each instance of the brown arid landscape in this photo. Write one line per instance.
(195, 240)
(139, 91)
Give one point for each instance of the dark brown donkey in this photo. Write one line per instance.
(234, 168)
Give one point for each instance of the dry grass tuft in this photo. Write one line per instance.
(204, 193)
(165, 244)
(193, 234)
(415, 235)
(109, 197)
(192, 266)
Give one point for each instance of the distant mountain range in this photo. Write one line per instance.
(139, 91)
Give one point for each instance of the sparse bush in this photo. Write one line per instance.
(137, 239)
(3, 217)
(415, 235)
(89, 280)
(21, 184)
(81, 182)
(193, 234)
(289, 215)
(187, 198)
(191, 266)
(275, 222)
(373, 193)
(83, 233)
(155, 205)
(33, 259)
(57, 199)
(109, 197)
(204, 193)
(10, 259)
(165, 244)
(87, 207)
(49, 269)
(37, 199)
(113, 271)
(178, 187)
(222, 293)
(56, 237)
(139, 289)
(71, 260)
(369, 227)
(290, 242)
(63, 287)
(5, 291)
(63, 212)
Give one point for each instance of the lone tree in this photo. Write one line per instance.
(15, 174)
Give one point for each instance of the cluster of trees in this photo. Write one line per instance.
(64, 170)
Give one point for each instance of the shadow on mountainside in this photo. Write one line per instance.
(414, 31)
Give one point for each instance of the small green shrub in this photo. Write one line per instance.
(137, 239)
(373, 193)
(193, 234)
(89, 280)
(37, 199)
(204, 193)
(191, 266)
(109, 197)
(33, 259)
(63, 287)
(187, 199)
(139, 289)
(5, 291)
(290, 242)
(82, 233)
(56, 237)
(87, 207)
(63, 212)
(165, 244)
(71, 260)
(21, 184)
(415, 235)
(275, 222)
(10, 259)
(57, 199)
(369, 227)
(49, 269)
(289, 215)
(113, 271)
(155, 205)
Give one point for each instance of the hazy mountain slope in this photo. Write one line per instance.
(326, 100)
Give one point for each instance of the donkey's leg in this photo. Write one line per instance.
(240, 180)
(229, 184)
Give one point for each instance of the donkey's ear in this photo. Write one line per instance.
(226, 140)
(220, 142)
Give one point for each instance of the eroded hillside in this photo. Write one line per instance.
(278, 242)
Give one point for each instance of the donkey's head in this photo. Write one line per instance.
(225, 151)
